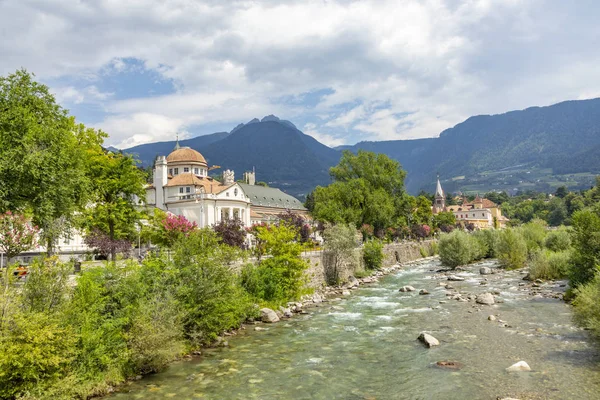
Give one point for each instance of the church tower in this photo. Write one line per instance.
(439, 202)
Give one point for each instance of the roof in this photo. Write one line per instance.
(438, 189)
(189, 179)
(271, 197)
(186, 154)
(486, 203)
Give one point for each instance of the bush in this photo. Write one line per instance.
(280, 278)
(512, 249)
(489, 238)
(423, 252)
(460, 248)
(586, 245)
(549, 265)
(373, 254)
(587, 306)
(340, 242)
(534, 233)
(558, 240)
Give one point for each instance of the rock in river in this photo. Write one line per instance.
(423, 291)
(485, 298)
(485, 270)
(455, 278)
(407, 289)
(520, 366)
(268, 315)
(429, 340)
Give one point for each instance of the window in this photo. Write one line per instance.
(170, 171)
(483, 215)
(235, 192)
(473, 215)
(180, 190)
(176, 171)
(227, 194)
(186, 169)
(188, 190)
(195, 171)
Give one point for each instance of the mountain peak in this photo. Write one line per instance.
(270, 118)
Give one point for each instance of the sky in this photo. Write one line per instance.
(342, 71)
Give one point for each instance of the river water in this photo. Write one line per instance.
(365, 347)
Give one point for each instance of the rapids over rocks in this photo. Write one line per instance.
(364, 346)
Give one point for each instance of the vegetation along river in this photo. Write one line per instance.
(365, 346)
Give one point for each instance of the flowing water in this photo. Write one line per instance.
(365, 347)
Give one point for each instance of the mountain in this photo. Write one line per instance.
(476, 151)
(538, 148)
(146, 153)
(281, 154)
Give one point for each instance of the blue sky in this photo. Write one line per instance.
(342, 70)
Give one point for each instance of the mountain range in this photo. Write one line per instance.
(536, 148)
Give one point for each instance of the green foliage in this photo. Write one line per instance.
(512, 249)
(586, 243)
(423, 252)
(368, 188)
(558, 240)
(490, 239)
(445, 218)
(534, 233)
(373, 254)
(340, 242)
(587, 306)
(279, 278)
(546, 264)
(460, 248)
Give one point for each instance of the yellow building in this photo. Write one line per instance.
(483, 213)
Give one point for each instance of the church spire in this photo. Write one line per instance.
(177, 146)
(438, 189)
(439, 202)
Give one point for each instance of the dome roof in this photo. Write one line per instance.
(186, 154)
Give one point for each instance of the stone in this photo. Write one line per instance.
(268, 315)
(259, 328)
(317, 299)
(345, 293)
(491, 318)
(353, 282)
(520, 366)
(449, 364)
(485, 299)
(456, 278)
(423, 291)
(428, 340)
(485, 271)
(407, 289)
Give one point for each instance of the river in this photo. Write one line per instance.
(365, 346)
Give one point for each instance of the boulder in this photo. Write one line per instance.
(485, 299)
(268, 315)
(345, 293)
(407, 289)
(520, 366)
(485, 270)
(429, 340)
(492, 318)
(317, 299)
(456, 278)
(423, 291)
(352, 282)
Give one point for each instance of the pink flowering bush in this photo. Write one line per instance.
(16, 234)
(174, 227)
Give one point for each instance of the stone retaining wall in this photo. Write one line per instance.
(322, 263)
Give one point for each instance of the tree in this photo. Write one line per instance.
(561, 192)
(118, 184)
(444, 219)
(368, 188)
(231, 232)
(340, 242)
(297, 221)
(586, 242)
(42, 156)
(16, 234)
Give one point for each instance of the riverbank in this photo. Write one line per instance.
(364, 345)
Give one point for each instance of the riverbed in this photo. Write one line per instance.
(364, 346)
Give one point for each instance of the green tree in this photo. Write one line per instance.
(340, 242)
(512, 249)
(42, 156)
(368, 188)
(118, 186)
(586, 243)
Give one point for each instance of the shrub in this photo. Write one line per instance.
(549, 265)
(558, 240)
(489, 238)
(459, 248)
(534, 233)
(587, 306)
(280, 278)
(512, 249)
(423, 252)
(433, 249)
(373, 254)
(231, 232)
(586, 245)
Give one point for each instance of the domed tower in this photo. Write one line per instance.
(186, 160)
(439, 202)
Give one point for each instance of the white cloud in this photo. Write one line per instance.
(397, 68)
